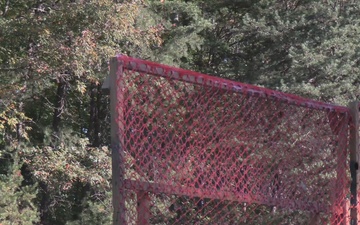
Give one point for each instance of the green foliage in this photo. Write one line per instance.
(17, 198)
(72, 173)
(54, 55)
(327, 65)
(95, 212)
(305, 47)
(181, 22)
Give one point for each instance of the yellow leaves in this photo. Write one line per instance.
(105, 149)
(13, 61)
(86, 52)
(80, 37)
(81, 87)
(41, 175)
(46, 32)
(73, 162)
(12, 120)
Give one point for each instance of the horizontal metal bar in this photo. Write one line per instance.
(188, 76)
(223, 196)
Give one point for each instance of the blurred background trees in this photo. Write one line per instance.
(54, 120)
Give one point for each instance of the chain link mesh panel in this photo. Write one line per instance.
(203, 150)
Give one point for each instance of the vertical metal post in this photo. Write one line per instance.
(342, 131)
(113, 85)
(354, 160)
(143, 208)
(339, 125)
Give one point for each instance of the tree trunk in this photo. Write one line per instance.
(96, 142)
(44, 204)
(59, 106)
(94, 123)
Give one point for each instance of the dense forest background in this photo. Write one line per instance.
(54, 119)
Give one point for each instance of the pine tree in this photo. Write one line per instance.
(17, 199)
(304, 47)
(182, 22)
(53, 57)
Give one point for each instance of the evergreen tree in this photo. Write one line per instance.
(304, 47)
(54, 55)
(182, 23)
(17, 197)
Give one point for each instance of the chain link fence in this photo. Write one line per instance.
(190, 148)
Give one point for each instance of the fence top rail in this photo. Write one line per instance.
(188, 76)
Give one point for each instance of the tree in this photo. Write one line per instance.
(304, 47)
(53, 56)
(182, 23)
(17, 196)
